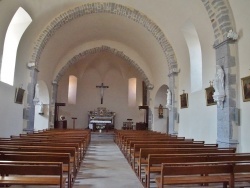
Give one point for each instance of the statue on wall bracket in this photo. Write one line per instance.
(219, 86)
(169, 99)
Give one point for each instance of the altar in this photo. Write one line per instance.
(101, 119)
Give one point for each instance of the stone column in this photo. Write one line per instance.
(225, 57)
(149, 88)
(52, 105)
(173, 108)
(29, 111)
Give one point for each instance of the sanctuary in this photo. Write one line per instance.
(101, 119)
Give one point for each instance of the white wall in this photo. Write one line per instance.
(11, 114)
(88, 96)
(241, 15)
(198, 121)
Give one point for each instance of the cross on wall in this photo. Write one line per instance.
(102, 87)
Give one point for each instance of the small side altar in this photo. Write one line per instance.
(101, 119)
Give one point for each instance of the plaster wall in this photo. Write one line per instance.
(88, 96)
(191, 120)
(11, 114)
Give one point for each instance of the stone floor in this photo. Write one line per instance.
(105, 166)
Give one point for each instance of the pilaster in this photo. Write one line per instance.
(29, 111)
(174, 100)
(53, 101)
(225, 116)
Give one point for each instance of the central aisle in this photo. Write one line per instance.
(104, 166)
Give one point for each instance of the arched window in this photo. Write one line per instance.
(17, 26)
(194, 48)
(72, 89)
(132, 92)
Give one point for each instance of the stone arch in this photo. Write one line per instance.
(221, 17)
(104, 7)
(114, 51)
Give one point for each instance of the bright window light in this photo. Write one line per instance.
(72, 89)
(132, 92)
(17, 26)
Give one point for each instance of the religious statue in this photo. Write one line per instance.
(37, 91)
(36, 94)
(160, 111)
(169, 99)
(219, 94)
(41, 108)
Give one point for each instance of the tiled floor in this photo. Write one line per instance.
(104, 166)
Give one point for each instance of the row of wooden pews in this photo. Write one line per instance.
(165, 160)
(47, 157)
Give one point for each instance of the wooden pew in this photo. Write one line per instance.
(73, 132)
(46, 142)
(120, 133)
(31, 173)
(57, 139)
(149, 135)
(144, 153)
(41, 157)
(155, 161)
(136, 150)
(70, 150)
(80, 134)
(61, 141)
(192, 173)
(131, 142)
(240, 173)
(151, 138)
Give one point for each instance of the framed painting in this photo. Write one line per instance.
(209, 96)
(245, 82)
(184, 100)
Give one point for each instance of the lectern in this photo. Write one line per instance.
(59, 124)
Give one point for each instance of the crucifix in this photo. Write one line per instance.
(102, 87)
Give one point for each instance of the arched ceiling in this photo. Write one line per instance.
(108, 27)
(154, 35)
(73, 28)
